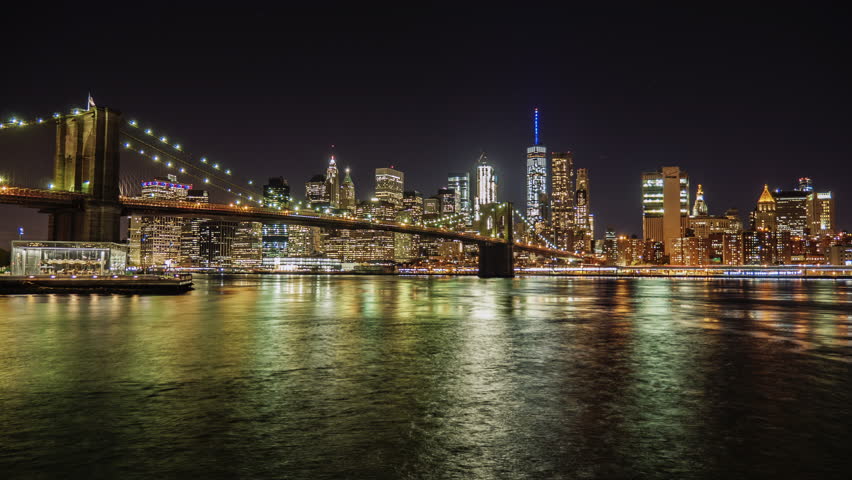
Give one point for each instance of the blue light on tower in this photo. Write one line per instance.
(536, 126)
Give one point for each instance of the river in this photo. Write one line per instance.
(414, 377)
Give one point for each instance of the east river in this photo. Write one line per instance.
(403, 377)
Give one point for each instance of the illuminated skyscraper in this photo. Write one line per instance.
(389, 185)
(316, 191)
(821, 213)
(700, 207)
(763, 218)
(275, 194)
(347, 193)
(665, 205)
(332, 183)
(791, 212)
(536, 174)
(562, 198)
(485, 190)
(460, 183)
(155, 240)
(190, 242)
(583, 220)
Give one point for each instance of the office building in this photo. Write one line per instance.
(821, 213)
(390, 186)
(763, 217)
(562, 199)
(665, 205)
(485, 189)
(347, 193)
(536, 174)
(155, 240)
(460, 184)
(276, 193)
(316, 192)
(332, 183)
(190, 242)
(247, 246)
(791, 212)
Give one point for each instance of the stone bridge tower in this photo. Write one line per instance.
(87, 162)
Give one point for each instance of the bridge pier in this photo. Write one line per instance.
(496, 261)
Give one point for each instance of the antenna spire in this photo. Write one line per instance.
(535, 126)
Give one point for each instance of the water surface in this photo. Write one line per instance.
(390, 377)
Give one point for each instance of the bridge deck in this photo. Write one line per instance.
(36, 198)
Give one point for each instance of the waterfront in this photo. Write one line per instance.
(408, 377)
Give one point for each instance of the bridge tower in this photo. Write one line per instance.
(495, 259)
(87, 162)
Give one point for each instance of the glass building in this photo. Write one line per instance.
(665, 205)
(536, 175)
(562, 198)
(68, 258)
(460, 183)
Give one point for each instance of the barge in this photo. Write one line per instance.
(106, 284)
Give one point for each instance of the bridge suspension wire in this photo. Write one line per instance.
(532, 229)
(162, 143)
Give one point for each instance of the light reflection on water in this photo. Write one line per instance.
(388, 377)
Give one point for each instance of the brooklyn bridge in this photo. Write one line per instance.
(84, 201)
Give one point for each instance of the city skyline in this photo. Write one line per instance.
(777, 119)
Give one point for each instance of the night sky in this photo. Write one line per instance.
(736, 98)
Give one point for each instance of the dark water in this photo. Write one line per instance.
(385, 377)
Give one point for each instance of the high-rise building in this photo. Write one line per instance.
(805, 185)
(216, 241)
(190, 242)
(276, 194)
(332, 183)
(485, 189)
(460, 183)
(791, 212)
(412, 201)
(763, 218)
(536, 174)
(562, 199)
(247, 246)
(316, 192)
(700, 207)
(821, 214)
(446, 201)
(665, 205)
(347, 193)
(389, 185)
(155, 240)
(583, 234)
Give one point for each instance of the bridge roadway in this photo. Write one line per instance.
(49, 199)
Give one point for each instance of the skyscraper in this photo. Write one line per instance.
(562, 198)
(332, 182)
(316, 191)
(276, 194)
(665, 205)
(536, 174)
(763, 218)
(389, 185)
(583, 226)
(821, 213)
(791, 212)
(190, 242)
(485, 191)
(155, 240)
(460, 183)
(700, 207)
(347, 193)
